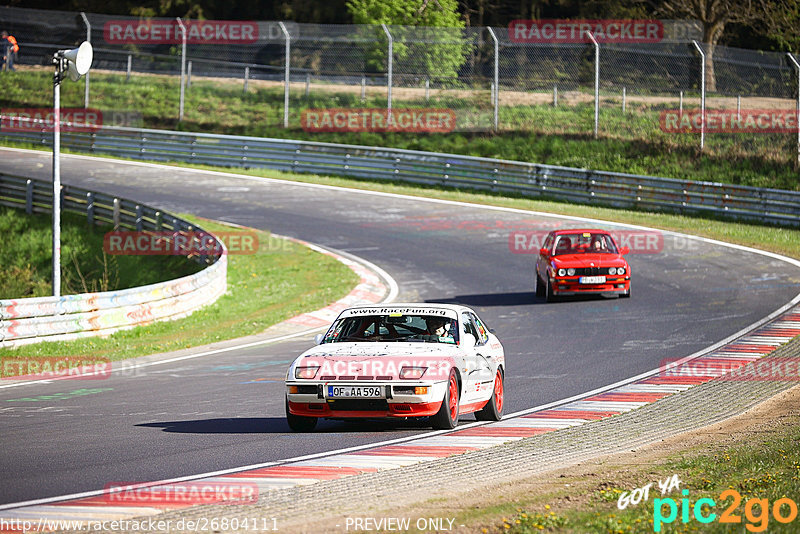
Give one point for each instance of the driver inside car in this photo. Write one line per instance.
(438, 327)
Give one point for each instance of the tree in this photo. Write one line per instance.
(425, 50)
(716, 15)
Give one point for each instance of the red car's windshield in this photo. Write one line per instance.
(584, 243)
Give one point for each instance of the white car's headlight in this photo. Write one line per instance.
(306, 372)
(412, 373)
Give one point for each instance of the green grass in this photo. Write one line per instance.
(766, 468)
(26, 258)
(280, 281)
(629, 142)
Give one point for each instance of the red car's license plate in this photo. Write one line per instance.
(592, 280)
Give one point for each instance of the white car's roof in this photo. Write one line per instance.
(407, 306)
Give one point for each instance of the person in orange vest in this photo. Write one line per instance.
(10, 49)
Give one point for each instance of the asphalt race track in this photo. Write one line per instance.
(226, 410)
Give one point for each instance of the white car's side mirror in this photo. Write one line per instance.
(318, 338)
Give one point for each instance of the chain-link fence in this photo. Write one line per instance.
(345, 77)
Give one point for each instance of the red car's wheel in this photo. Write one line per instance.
(447, 416)
(548, 292)
(493, 411)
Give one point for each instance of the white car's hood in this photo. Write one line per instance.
(373, 350)
(378, 361)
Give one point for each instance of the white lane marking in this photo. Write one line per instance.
(483, 441)
(122, 367)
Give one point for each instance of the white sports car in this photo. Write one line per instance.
(399, 360)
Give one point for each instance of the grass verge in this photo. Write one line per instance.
(752, 475)
(26, 258)
(630, 141)
(280, 281)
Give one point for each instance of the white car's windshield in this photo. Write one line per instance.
(393, 327)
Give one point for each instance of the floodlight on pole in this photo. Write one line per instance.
(73, 63)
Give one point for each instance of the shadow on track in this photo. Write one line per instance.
(278, 425)
(523, 298)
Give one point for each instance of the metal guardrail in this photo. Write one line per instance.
(771, 206)
(31, 320)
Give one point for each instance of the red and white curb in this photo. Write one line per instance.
(152, 499)
(371, 289)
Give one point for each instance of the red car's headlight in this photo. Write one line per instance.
(306, 372)
(412, 373)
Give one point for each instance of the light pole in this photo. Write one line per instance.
(74, 63)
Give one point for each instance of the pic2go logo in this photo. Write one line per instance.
(756, 511)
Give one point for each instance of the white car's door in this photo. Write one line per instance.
(479, 377)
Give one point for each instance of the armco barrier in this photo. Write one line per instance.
(771, 206)
(31, 320)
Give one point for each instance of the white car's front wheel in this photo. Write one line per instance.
(447, 416)
(493, 411)
(299, 423)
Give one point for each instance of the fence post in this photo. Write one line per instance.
(702, 94)
(308, 83)
(183, 65)
(363, 88)
(246, 77)
(189, 73)
(139, 218)
(496, 95)
(116, 213)
(796, 65)
(286, 73)
(427, 89)
(623, 100)
(90, 208)
(680, 105)
(86, 76)
(555, 96)
(596, 80)
(128, 74)
(29, 197)
(389, 66)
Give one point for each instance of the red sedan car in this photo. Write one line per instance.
(572, 262)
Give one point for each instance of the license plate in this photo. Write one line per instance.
(592, 280)
(355, 391)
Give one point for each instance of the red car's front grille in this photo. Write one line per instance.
(591, 271)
